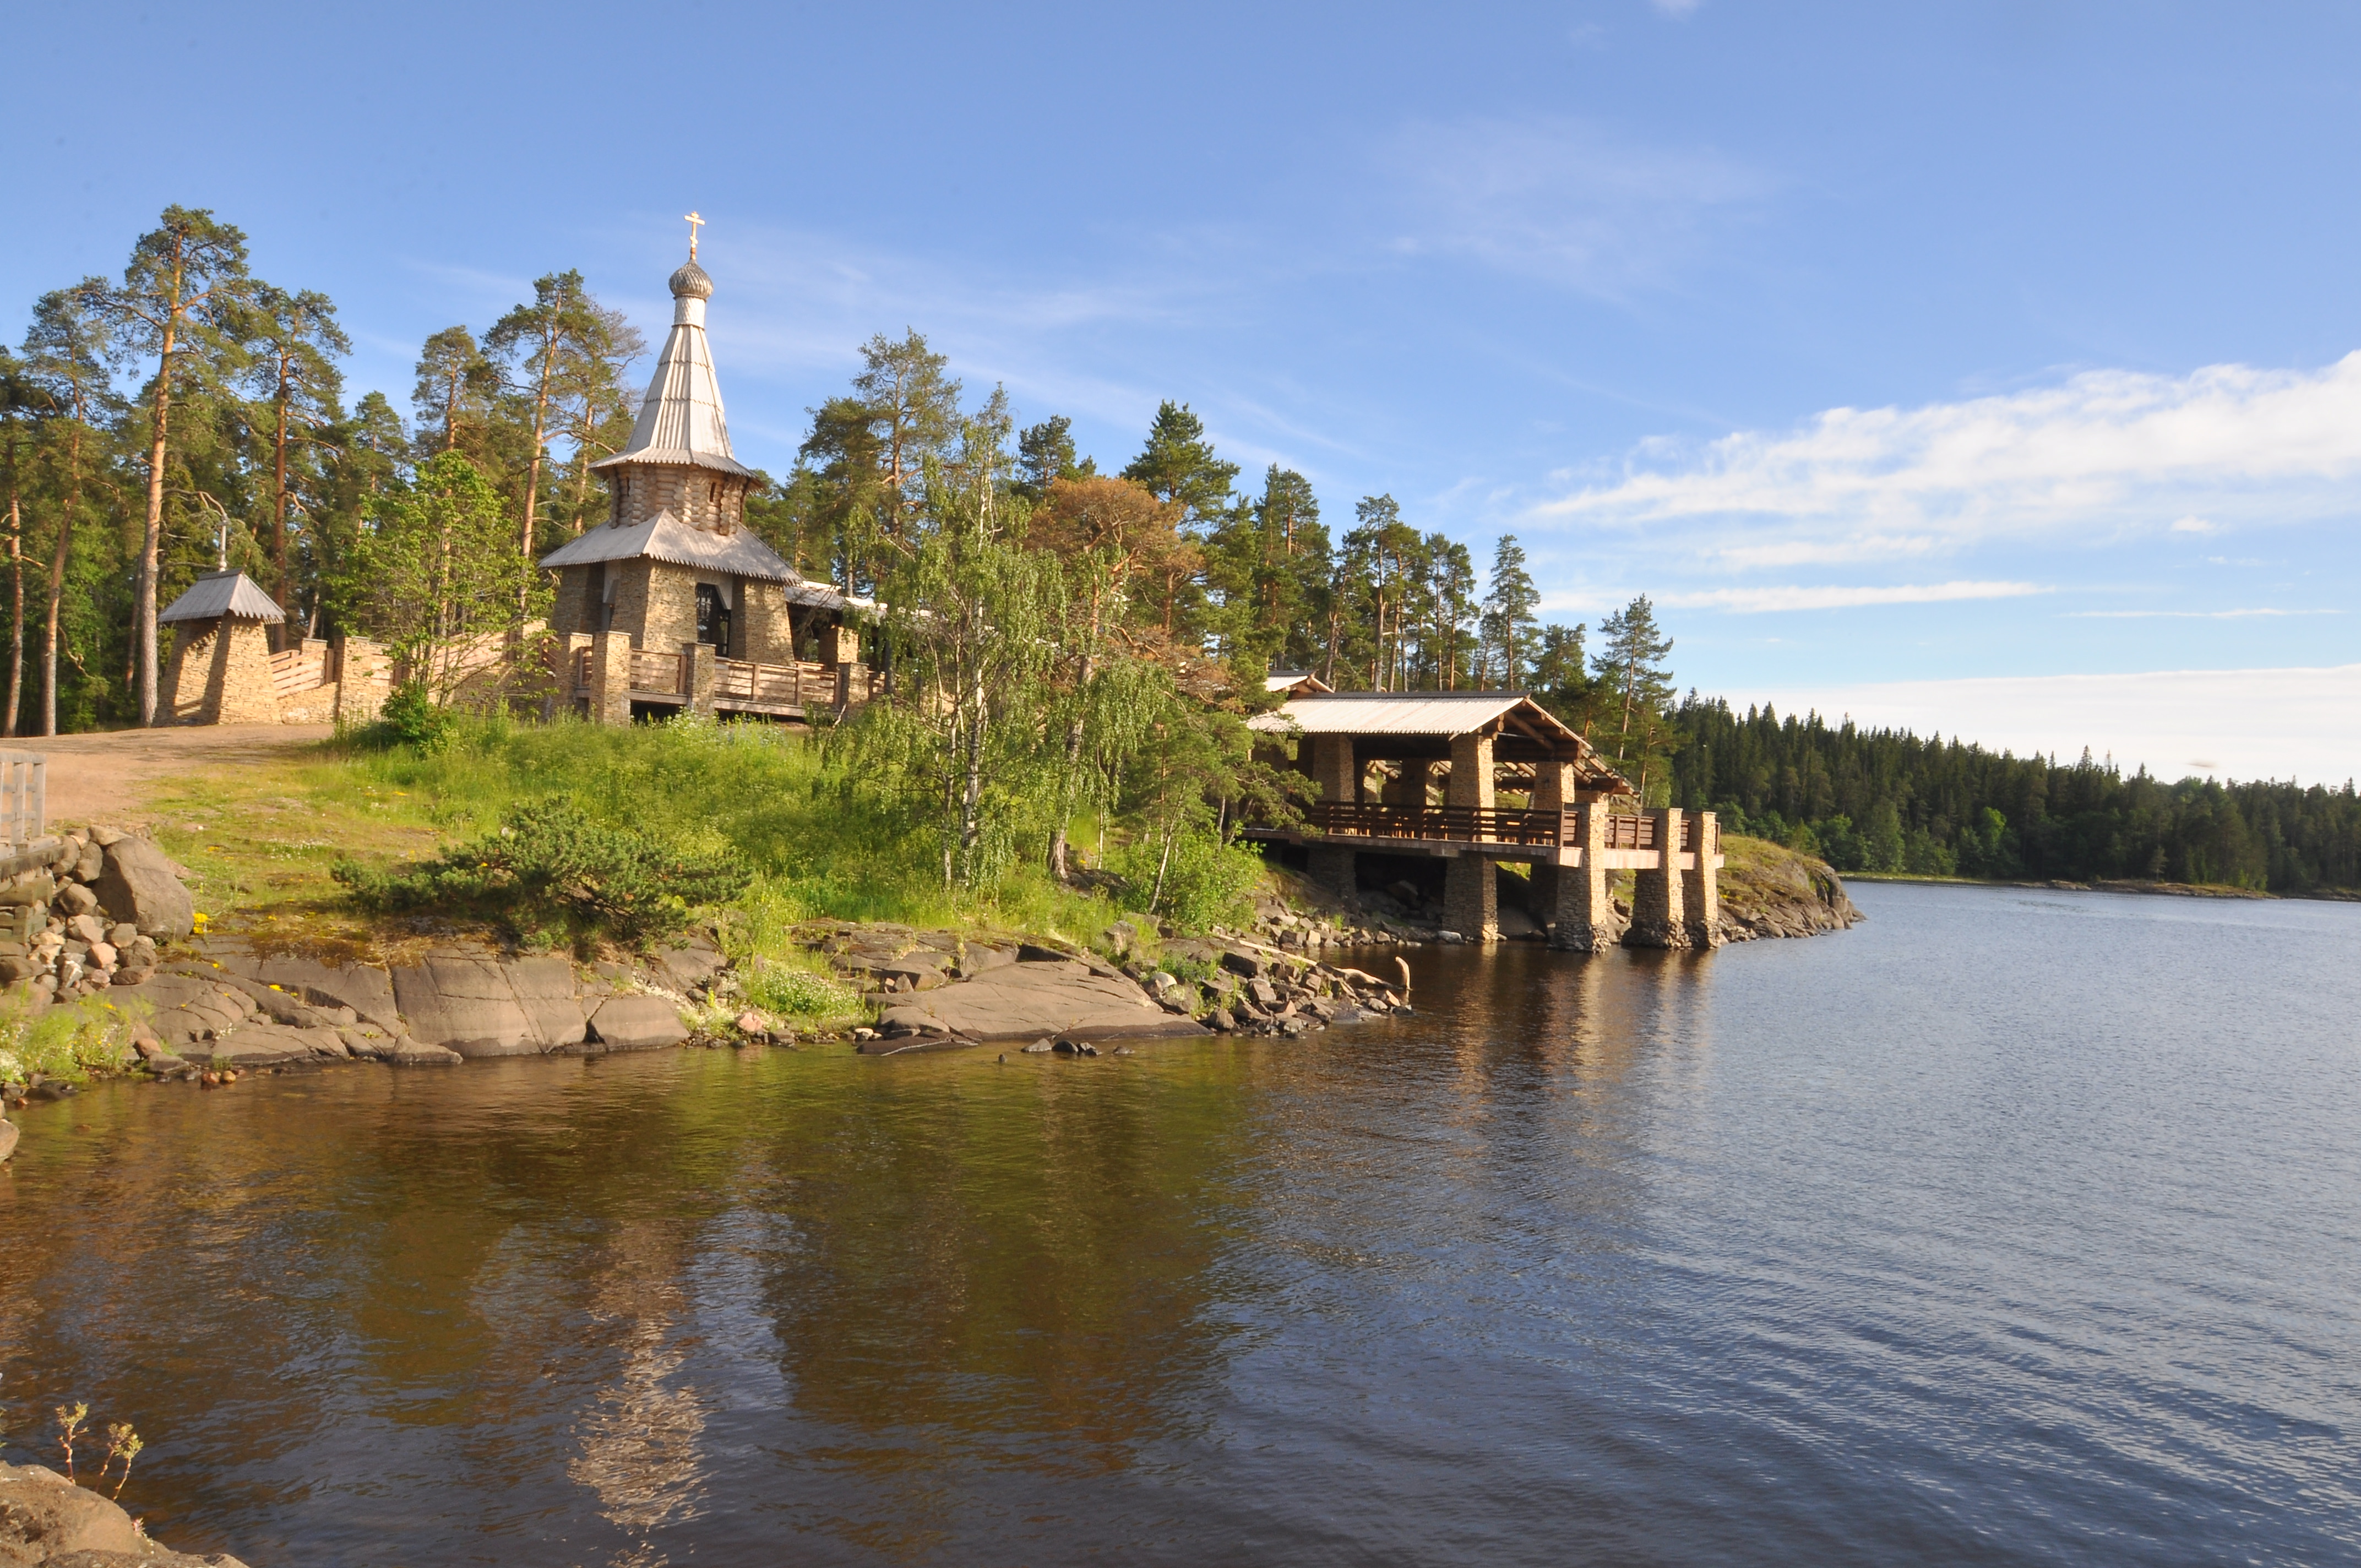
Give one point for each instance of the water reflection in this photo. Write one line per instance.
(1652, 1257)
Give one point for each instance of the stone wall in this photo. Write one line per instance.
(764, 631)
(220, 673)
(573, 608)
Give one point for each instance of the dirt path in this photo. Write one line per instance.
(105, 777)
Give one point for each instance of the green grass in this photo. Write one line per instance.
(258, 839)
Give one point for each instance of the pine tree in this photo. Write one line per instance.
(1509, 606)
(1179, 465)
(66, 354)
(294, 340)
(179, 304)
(1044, 454)
(1629, 664)
(455, 389)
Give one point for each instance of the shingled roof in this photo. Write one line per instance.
(681, 420)
(665, 537)
(217, 594)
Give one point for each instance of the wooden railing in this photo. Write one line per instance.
(24, 796)
(800, 684)
(1483, 825)
(664, 674)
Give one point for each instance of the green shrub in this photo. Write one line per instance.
(550, 874)
(410, 718)
(1204, 881)
(63, 1042)
(795, 993)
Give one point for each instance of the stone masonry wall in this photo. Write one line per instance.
(670, 618)
(764, 632)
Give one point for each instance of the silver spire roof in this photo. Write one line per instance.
(681, 420)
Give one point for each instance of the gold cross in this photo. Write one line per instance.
(694, 223)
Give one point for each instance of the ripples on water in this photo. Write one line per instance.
(2009, 1226)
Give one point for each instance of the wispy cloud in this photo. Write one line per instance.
(2187, 614)
(2103, 455)
(1757, 601)
(1563, 201)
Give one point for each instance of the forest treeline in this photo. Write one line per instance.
(1100, 635)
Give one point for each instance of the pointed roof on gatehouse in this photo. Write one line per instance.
(681, 423)
(217, 594)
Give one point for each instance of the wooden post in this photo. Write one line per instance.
(1656, 917)
(1585, 921)
(1701, 886)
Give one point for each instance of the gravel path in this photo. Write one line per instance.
(105, 777)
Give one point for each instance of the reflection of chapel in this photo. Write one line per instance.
(674, 603)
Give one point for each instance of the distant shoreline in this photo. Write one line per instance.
(2164, 888)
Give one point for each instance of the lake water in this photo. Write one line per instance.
(2011, 1226)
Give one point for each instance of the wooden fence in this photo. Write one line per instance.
(1485, 825)
(24, 796)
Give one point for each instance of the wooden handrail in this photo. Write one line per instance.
(1479, 825)
(664, 673)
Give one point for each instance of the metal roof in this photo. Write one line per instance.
(681, 420)
(1403, 713)
(217, 594)
(665, 537)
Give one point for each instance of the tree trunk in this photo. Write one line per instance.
(532, 471)
(17, 614)
(143, 611)
(57, 557)
(278, 501)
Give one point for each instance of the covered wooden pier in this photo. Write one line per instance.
(1382, 758)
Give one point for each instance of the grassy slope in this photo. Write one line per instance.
(1764, 883)
(258, 841)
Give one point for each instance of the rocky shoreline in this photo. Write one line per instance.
(102, 913)
(46, 1519)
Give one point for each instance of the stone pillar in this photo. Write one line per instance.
(1554, 787)
(700, 678)
(1701, 887)
(1337, 869)
(1656, 917)
(1471, 898)
(1471, 771)
(1584, 916)
(1332, 768)
(610, 678)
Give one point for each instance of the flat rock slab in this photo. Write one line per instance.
(44, 1518)
(636, 1024)
(1026, 1000)
(481, 1005)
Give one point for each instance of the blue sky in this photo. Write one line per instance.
(1915, 358)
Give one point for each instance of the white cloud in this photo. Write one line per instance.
(1563, 201)
(2095, 458)
(2187, 614)
(2303, 724)
(1755, 602)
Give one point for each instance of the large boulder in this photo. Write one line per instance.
(465, 1002)
(7, 1139)
(46, 1519)
(136, 884)
(636, 1024)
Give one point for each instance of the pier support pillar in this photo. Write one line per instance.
(1657, 920)
(1471, 898)
(1701, 886)
(700, 678)
(1410, 789)
(611, 677)
(1584, 915)
(1334, 868)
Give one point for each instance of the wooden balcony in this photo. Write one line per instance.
(1548, 837)
(789, 690)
